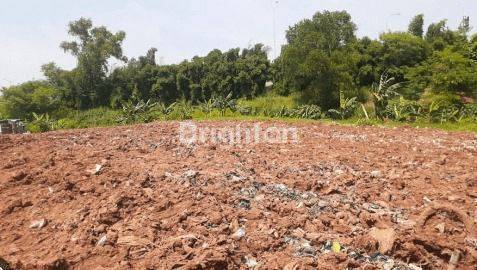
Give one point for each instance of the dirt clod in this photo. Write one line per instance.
(385, 237)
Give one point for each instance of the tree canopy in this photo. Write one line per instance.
(323, 61)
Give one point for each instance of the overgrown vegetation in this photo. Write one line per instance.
(324, 71)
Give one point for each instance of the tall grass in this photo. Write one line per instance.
(98, 117)
(270, 102)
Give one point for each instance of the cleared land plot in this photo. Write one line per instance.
(134, 197)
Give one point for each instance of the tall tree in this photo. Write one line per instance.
(149, 59)
(416, 26)
(440, 36)
(319, 60)
(464, 27)
(400, 51)
(92, 47)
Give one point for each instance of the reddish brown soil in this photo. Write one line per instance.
(403, 197)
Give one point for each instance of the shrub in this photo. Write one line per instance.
(20, 101)
(166, 110)
(440, 113)
(183, 110)
(246, 110)
(67, 123)
(41, 123)
(283, 112)
(269, 103)
(444, 99)
(98, 117)
(469, 111)
(307, 112)
(139, 112)
(404, 110)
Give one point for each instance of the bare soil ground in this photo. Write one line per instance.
(135, 198)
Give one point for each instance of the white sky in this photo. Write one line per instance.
(31, 31)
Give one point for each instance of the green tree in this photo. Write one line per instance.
(440, 36)
(134, 80)
(22, 100)
(416, 26)
(92, 47)
(164, 89)
(319, 60)
(370, 67)
(445, 71)
(400, 51)
(464, 27)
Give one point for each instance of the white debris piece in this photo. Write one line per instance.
(239, 233)
(376, 174)
(38, 224)
(250, 262)
(102, 241)
(339, 172)
(191, 174)
(97, 169)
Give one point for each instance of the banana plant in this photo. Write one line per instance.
(246, 110)
(223, 103)
(136, 112)
(449, 115)
(207, 107)
(365, 111)
(43, 121)
(283, 112)
(346, 109)
(166, 110)
(383, 93)
(433, 113)
(399, 113)
(184, 109)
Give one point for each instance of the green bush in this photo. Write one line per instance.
(98, 117)
(346, 109)
(404, 110)
(41, 123)
(444, 99)
(20, 101)
(268, 104)
(182, 111)
(469, 111)
(67, 123)
(138, 112)
(35, 128)
(224, 103)
(307, 112)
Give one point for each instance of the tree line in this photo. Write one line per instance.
(91, 84)
(323, 57)
(323, 61)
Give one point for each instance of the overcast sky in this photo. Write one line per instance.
(31, 31)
